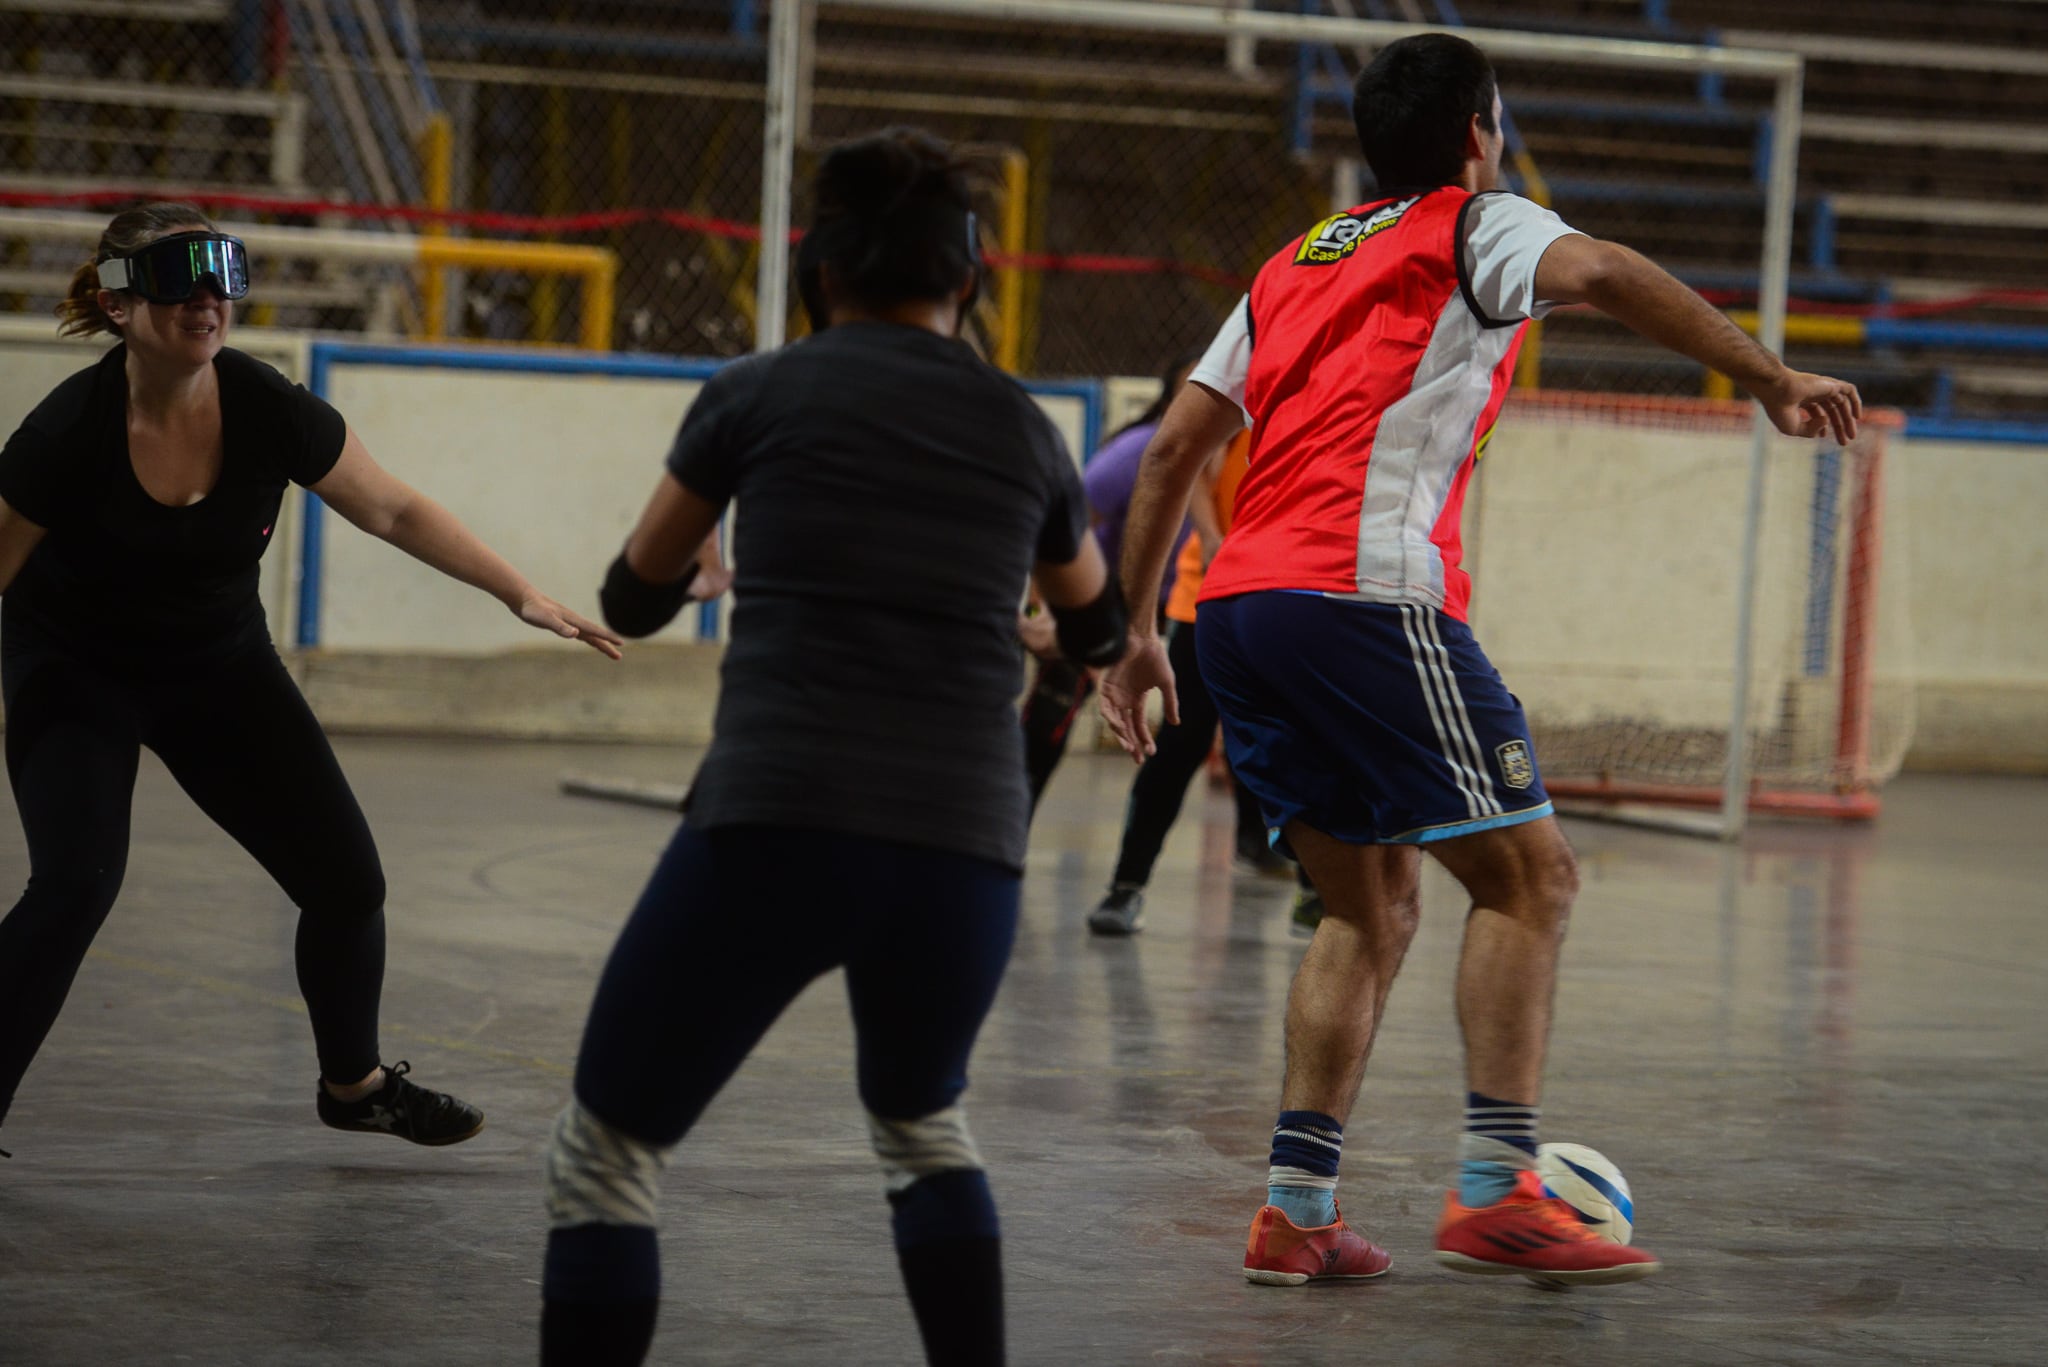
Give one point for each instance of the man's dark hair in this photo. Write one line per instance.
(893, 219)
(1413, 103)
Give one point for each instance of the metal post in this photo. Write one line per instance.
(778, 170)
(1777, 275)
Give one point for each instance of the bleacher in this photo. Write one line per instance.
(1922, 164)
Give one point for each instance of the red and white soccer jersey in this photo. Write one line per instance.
(1371, 358)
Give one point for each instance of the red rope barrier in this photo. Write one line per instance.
(736, 231)
(601, 221)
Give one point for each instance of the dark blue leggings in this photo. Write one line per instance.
(735, 922)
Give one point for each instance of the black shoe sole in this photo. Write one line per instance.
(440, 1143)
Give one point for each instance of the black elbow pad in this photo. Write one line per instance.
(1095, 635)
(634, 607)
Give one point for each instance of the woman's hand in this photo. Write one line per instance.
(539, 610)
(1039, 634)
(711, 583)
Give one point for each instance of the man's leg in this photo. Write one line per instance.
(1372, 897)
(1522, 880)
(1372, 900)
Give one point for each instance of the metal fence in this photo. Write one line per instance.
(1136, 175)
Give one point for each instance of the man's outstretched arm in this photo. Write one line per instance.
(1633, 290)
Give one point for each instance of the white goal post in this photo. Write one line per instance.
(789, 79)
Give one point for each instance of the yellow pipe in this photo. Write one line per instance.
(437, 173)
(1010, 285)
(1529, 368)
(1533, 184)
(598, 268)
(1818, 329)
(1717, 386)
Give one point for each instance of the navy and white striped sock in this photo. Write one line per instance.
(1499, 1142)
(1303, 1178)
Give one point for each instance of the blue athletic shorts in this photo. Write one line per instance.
(1375, 723)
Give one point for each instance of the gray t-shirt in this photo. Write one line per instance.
(894, 493)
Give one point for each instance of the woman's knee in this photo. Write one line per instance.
(79, 894)
(350, 894)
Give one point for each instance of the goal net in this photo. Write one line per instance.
(1607, 536)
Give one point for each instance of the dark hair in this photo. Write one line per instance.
(893, 217)
(79, 311)
(1157, 409)
(1413, 103)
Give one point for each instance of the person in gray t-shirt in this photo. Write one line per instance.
(863, 804)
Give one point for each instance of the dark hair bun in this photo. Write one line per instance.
(894, 219)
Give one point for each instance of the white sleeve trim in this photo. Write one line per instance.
(1505, 237)
(1228, 361)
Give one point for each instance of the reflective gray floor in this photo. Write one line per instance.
(1821, 1061)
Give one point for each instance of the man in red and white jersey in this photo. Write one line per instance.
(1371, 359)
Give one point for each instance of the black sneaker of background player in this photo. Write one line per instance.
(404, 1108)
(1122, 912)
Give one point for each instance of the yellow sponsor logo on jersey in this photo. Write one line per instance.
(1337, 236)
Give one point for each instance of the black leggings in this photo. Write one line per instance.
(1162, 781)
(1058, 690)
(241, 741)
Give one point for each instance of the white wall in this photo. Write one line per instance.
(1605, 559)
(1605, 556)
(549, 469)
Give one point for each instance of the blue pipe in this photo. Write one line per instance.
(544, 37)
(1820, 569)
(2018, 431)
(1880, 332)
(1710, 86)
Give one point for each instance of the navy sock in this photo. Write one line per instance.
(950, 1252)
(1302, 1180)
(1498, 1144)
(602, 1288)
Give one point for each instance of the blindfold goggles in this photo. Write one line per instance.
(169, 269)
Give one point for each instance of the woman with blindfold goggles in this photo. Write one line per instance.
(135, 503)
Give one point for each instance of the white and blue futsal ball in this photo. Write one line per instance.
(1586, 1181)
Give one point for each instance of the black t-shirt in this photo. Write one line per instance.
(894, 492)
(123, 578)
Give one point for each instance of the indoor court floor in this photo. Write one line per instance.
(1820, 1059)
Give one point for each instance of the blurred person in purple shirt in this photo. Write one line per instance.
(1060, 687)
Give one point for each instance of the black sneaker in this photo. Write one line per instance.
(1122, 912)
(404, 1108)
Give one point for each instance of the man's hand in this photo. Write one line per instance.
(1803, 405)
(1123, 689)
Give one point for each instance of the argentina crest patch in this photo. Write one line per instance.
(1337, 236)
(1517, 769)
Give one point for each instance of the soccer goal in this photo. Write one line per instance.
(1755, 689)
(1610, 597)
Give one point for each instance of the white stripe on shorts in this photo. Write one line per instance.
(1436, 696)
(1464, 719)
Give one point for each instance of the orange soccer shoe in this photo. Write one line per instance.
(1281, 1253)
(1535, 1236)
